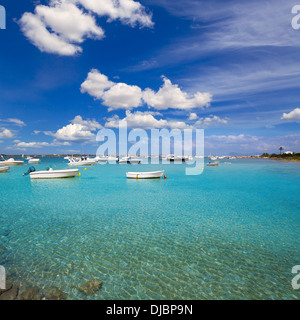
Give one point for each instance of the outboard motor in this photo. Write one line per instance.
(31, 169)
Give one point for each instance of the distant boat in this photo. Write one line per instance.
(34, 161)
(129, 160)
(101, 159)
(213, 164)
(173, 158)
(145, 175)
(84, 161)
(53, 174)
(111, 158)
(4, 169)
(104, 159)
(11, 162)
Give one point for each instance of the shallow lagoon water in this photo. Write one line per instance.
(231, 233)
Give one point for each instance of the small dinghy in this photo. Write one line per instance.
(4, 169)
(51, 174)
(145, 175)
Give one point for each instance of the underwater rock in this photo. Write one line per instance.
(55, 294)
(10, 294)
(91, 287)
(31, 294)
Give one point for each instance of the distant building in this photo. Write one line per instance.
(289, 152)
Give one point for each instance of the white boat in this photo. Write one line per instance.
(135, 160)
(129, 160)
(81, 162)
(104, 159)
(145, 175)
(213, 164)
(93, 160)
(34, 161)
(173, 158)
(11, 162)
(53, 174)
(4, 169)
(214, 158)
(101, 159)
(111, 158)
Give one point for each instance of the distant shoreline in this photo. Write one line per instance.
(273, 158)
(285, 159)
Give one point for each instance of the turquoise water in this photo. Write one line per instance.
(231, 233)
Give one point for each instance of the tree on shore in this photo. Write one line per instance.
(280, 149)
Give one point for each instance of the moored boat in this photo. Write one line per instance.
(145, 175)
(173, 158)
(129, 160)
(82, 162)
(11, 162)
(212, 164)
(4, 169)
(53, 174)
(104, 159)
(34, 161)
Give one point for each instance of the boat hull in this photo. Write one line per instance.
(213, 164)
(145, 175)
(130, 161)
(11, 163)
(54, 174)
(135, 161)
(81, 163)
(34, 161)
(4, 169)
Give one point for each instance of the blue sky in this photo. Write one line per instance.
(71, 67)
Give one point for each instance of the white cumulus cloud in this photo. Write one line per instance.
(124, 96)
(64, 24)
(128, 11)
(38, 145)
(143, 120)
(78, 130)
(6, 134)
(171, 96)
(193, 116)
(292, 116)
(210, 121)
(95, 84)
